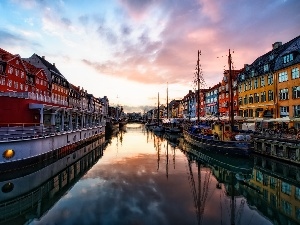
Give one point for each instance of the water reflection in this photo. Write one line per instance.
(23, 198)
(274, 190)
(140, 177)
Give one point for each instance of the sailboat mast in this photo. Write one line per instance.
(231, 112)
(158, 109)
(167, 102)
(198, 82)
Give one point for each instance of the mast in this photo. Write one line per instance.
(167, 102)
(231, 112)
(158, 109)
(198, 83)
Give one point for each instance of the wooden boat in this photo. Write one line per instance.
(219, 136)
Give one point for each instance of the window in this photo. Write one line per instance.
(270, 79)
(297, 114)
(286, 207)
(265, 194)
(286, 188)
(270, 95)
(240, 101)
(266, 68)
(16, 85)
(263, 96)
(251, 98)
(297, 193)
(273, 199)
(9, 83)
(255, 83)
(259, 176)
(284, 110)
(256, 98)
(245, 86)
(272, 183)
(288, 58)
(296, 92)
(283, 76)
(252, 73)
(245, 100)
(240, 88)
(250, 112)
(22, 74)
(250, 85)
(1, 68)
(295, 73)
(262, 81)
(284, 94)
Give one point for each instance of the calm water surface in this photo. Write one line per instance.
(142, 178)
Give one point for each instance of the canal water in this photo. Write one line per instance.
(139, 177)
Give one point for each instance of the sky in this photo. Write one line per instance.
(131, 50)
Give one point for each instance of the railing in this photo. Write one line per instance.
(9, 132)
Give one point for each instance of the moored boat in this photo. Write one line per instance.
(220, 136)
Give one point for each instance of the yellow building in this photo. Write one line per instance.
(269, 88)
(288, 83)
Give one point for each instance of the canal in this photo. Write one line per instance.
(138, 177)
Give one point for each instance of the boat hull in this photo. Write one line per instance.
(31, 151)
(238, 148)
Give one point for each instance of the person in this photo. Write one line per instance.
(216, 136)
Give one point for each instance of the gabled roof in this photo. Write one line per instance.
(269, 58)
(5, 56)
(293, 46)
(50, 66)
(31, 68)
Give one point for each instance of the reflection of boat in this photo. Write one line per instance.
(225, 170)
(24, 198)
(218, 136)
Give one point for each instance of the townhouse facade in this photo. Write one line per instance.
(212, 100)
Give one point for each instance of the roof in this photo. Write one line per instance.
(50, 66)
(272, 59)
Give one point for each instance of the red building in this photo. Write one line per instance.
(224, 93)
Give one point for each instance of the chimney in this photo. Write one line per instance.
(53, 64)
(276, 44)
(43, 57)
(245, 66)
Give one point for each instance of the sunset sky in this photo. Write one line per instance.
(129, 50)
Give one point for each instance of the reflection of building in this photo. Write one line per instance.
(274, 190)
(32, 195)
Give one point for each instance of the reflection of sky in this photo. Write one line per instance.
(126, 187)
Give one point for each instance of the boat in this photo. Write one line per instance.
(219, 136)
(172, 126)
(43, 116)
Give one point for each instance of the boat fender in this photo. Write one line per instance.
(298, 135)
